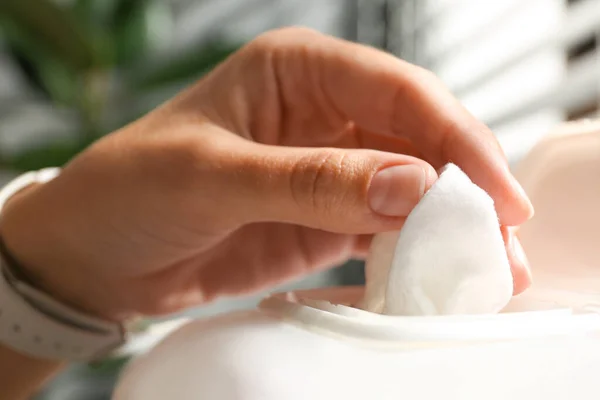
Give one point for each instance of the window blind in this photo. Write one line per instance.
(520, 66)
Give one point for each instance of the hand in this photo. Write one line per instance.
(282, 161)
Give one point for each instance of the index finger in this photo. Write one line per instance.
(386, 95)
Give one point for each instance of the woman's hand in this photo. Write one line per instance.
(282, 161)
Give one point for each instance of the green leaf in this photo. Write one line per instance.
(52, 27)
(110, 366)
(131, 25)
(52, 155)
(95, 11)
(59, 81)
(117, 28)
(191, 65)
(44, 72)
(96, 17)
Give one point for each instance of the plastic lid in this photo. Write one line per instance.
(561, 175)
(344, 322)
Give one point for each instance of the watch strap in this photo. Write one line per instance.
(25, 328)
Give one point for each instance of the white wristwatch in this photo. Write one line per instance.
(33, 323)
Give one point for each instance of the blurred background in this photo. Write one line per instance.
(73, 70)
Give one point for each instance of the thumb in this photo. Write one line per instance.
(339, 190)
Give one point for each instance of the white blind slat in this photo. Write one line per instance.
(511, 62)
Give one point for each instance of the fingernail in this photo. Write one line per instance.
(520, 255)
(396, 190)
(519, 252)
(525, 199)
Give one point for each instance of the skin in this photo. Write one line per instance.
(257, 174)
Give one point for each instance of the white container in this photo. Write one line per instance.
(310, 345)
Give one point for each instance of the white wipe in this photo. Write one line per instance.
(449, 258)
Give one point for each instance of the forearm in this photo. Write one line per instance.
(22, 376)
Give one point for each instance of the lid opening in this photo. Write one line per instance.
(346, 322)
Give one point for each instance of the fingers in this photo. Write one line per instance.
(362, 246)
(447, 129)
(338, 190)
(517, 259)
(386, 95)
(358, 138)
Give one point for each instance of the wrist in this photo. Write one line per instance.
(35, 234)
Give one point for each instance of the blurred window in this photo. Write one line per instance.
(520, 66)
